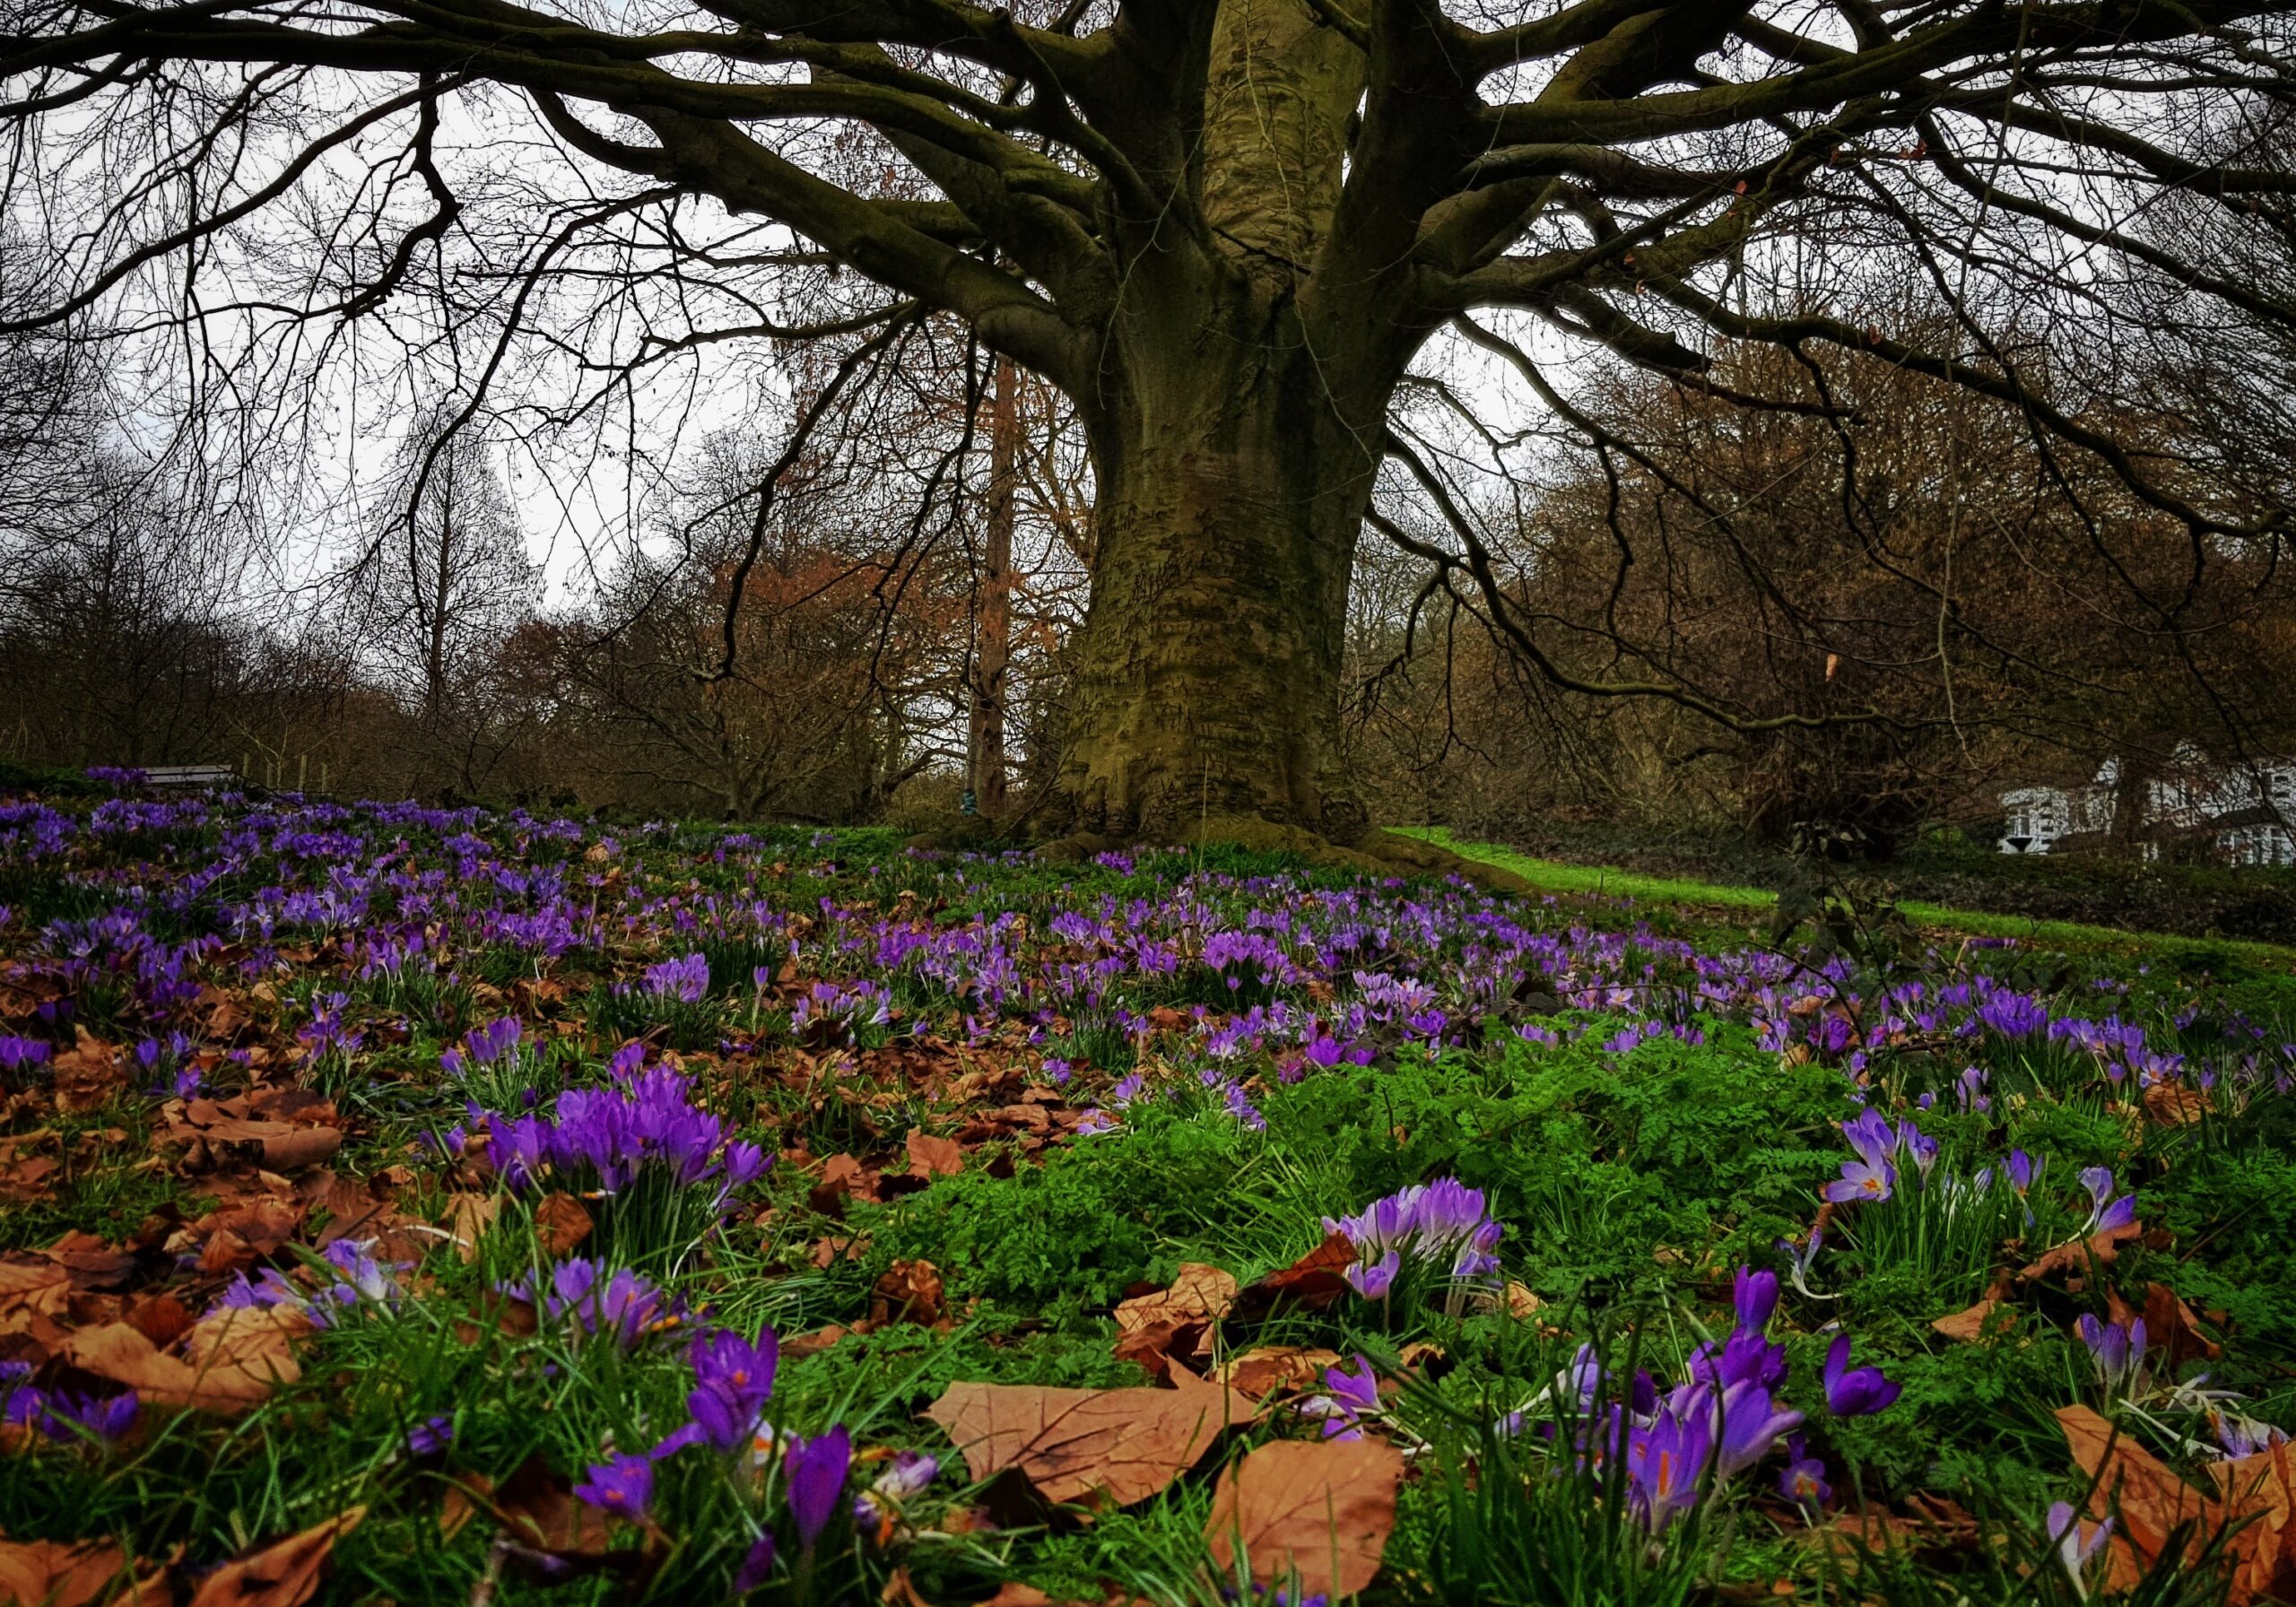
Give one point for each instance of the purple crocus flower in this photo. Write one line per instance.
(2116, 1349)
(106, 1417)
(622, 1484)
(732, 1381)
(1754, 1294)
(1803, 1480)
(2020, 1168)
(1855, 1394)
(685, 979)
(2072, 1549)
(1351, 1397)
(1664, 1465)
(816, 1470)
(1753, 1423)
(908, 1474)
(429, 1437)
(2105, 1214)
(1746, 1357)
(1374, 1282)
(757, 1567)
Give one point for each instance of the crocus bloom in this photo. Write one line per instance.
(2116, 1349)
(429, 1437)
(2073, 1549)
(2105, 1214)
(107, 1417)
(732, 1381)
(909, 1473)
(622, 1484)
(757, 1567)
(1803, 1480)
(1859, 1393)
(817, 1469)
(1664, 1465)
(1753, 1423)
(1373, 1282)
(1799, 1260)
(1755, 1295)
(1351, 1397)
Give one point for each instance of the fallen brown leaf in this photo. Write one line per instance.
(1969, 1326)
(116, 1351)
(1315, 1280)
(2077, 1256)
(1122, 1444)
(2173, 1105)
(1262, 1372)
(561, 1222)
(467, 1218)
(2262, 1489)
(1200, 1293)
(2134, 1485)
(933, 1156)
(909, 1291)
(1321, 1507)
(73, 1573)
(282, 1573)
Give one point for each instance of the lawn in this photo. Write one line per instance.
(1604, 882)
(414, 1205)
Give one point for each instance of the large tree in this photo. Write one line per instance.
(1224, 228)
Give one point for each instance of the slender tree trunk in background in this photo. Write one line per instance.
(993, 657)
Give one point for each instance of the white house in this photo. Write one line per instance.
(2245, 809)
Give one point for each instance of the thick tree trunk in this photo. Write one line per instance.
(1229, 501)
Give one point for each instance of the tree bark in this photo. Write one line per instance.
(1233, 481)
(993, 654)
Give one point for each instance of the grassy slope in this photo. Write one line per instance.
(1604, 881)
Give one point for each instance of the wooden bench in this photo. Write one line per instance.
(190, 775)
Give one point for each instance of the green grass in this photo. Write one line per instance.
(1609, 881)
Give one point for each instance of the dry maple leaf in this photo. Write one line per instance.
(1969, 1326)
(74, 1574)
(909, 1291)
(561, 1222)
(282, 1573)
(2169, 1324)
(2173, 1105)
(1261, 1372)
(934, 1157)
(1315, 1280)
(2081, 1254)
(467, 1217)
(1200, 1293)
(2262, 1489)
(1124, 1444)
(119, 1353)
(1320, 1507)
(256, 1341)
(2138, 1489)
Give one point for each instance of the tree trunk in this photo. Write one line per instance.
(1230, 495)
(993, 657)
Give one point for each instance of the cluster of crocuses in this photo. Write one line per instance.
(347, 1277)
(1679, 1448)
(726, 1412)
(483, 1046)
(606, 1139)
(1441, 1225)
(685, 979)
(582, 1300)
(59, 1414)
